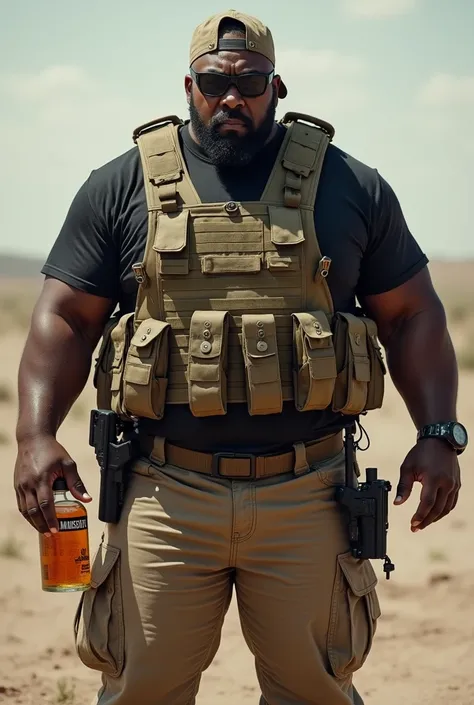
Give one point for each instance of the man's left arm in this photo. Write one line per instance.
(422, 363)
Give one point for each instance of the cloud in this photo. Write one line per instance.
(448, 91)
(327, 83)
(379, 8)
(47, 83)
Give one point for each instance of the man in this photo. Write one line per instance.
(235, 247)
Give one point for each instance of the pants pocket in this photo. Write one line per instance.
(99, 624)
(146, 370)
(355, 609)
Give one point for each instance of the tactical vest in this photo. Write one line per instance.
(233, 303)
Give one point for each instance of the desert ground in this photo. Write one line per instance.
(423, 649)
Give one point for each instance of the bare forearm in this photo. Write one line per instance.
(423, 367)
(53, 371)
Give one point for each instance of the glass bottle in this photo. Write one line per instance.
(64, 556)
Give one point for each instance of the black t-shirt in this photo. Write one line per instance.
(359, 224)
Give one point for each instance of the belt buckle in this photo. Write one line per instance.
(216, 458)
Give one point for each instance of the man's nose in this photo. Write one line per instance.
(232, 98)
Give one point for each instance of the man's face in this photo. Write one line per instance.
(231, 127)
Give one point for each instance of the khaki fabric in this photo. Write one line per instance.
(163, 578)
(233, 303)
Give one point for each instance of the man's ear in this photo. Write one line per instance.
(188, 87)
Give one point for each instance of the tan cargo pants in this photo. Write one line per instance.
(163, 579)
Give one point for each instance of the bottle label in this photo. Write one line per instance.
(73, 524)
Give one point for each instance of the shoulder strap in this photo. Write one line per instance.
(167, 189)
(294, 183)
(167, 185)
(295, 177)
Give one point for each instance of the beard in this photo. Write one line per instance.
(231, 149)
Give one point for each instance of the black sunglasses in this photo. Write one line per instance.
(249, 85)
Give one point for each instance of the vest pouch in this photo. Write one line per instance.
(207, 363)
(353, 364)
(378, 370)
(314, 369)
(108, 372)
(146, 370)
(262, 365)
(103, 365)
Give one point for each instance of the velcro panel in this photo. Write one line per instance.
(232, 264)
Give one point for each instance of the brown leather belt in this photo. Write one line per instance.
(245, 466)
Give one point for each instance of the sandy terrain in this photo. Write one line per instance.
(423, 648)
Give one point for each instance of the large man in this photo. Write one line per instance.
(235, 247)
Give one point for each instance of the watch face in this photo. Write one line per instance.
(459, 434)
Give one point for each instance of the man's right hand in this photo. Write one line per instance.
(39, 462)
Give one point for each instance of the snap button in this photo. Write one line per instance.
(262, 346)
(261, 333)
(259, 324)
(205, 347)
(207, 324)
(231, 207)
(143, 337)
(206, 333)
(148, 330)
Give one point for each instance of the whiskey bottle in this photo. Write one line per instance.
(64, 556)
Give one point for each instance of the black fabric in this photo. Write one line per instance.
(359, 223)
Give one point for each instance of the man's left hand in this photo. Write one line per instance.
(433, 463)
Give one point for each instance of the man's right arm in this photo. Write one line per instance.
(65, 328)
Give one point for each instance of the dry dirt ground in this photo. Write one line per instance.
(423, 650)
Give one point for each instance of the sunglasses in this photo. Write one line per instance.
(249, 85)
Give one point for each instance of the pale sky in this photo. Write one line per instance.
(395, 77)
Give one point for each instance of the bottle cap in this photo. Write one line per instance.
(60, 484)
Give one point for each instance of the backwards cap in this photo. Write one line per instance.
(258, 38)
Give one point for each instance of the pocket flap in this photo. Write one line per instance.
(282, 263)
(171, 232)
(104, 561)
(147, 331)
(359, 573)
(259, 333)
(199, 372)
(137, 374)
(207, 333)
(286, 225)
(315, 324)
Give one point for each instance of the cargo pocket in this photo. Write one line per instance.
(355, 609)
(314, 373)
(99, 624)
(146, 370)
(207, 363)
(262, 365)
(378, 370)
(108, 375)
(353, 365)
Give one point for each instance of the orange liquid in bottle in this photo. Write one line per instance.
(65, 561)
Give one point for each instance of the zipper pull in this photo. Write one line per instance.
(324, 267)
(139, 272)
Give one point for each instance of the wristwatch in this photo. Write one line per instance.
(453, 432)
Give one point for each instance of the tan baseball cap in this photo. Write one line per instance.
(258, 38)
